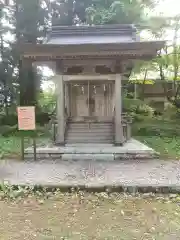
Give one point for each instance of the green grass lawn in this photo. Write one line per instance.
(168, 147)
(90, 216)
(161, 135)
(10, 147)
(10, 140)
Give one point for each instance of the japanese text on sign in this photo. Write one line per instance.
(26, 118)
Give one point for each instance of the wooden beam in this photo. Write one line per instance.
(94, 77)
(75, 55)
(90, 62)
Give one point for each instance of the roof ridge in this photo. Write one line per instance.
(94, 28)
(97, 30)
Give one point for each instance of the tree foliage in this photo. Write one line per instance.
(166, 66)
(28, 21)
(70, 12)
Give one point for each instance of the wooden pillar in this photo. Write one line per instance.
(60, 110)
(60, 104)
(67, 100)
(119, 138)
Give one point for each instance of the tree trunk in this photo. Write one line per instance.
(27, 80)
(143, 85)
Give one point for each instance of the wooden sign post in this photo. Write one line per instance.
(26, 122)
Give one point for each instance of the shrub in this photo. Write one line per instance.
(10, 120)
(138, 117)
(130, 105)
(7, 130)
(136, 106)
(144, 110)
(170, 111)
(42, 118)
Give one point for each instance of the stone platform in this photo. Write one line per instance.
(142, 175)
(131, 150)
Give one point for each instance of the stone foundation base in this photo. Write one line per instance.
(132, 150)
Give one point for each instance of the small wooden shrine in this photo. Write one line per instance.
(90, 63)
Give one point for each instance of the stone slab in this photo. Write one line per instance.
(142, 174)
(132, 146)
(86, 157)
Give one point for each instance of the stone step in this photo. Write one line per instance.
(91, 148)
(89, 133)
(78, 141)
(90, 127)
(132, 150)
(93, 131)
(96, 157)
(90, 140)
(91, 156)
(100, 138)
(89, 130)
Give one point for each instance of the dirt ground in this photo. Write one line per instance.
(90, 216)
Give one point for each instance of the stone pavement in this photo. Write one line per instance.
(154, 173)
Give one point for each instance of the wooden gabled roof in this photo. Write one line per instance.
(106, 41)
